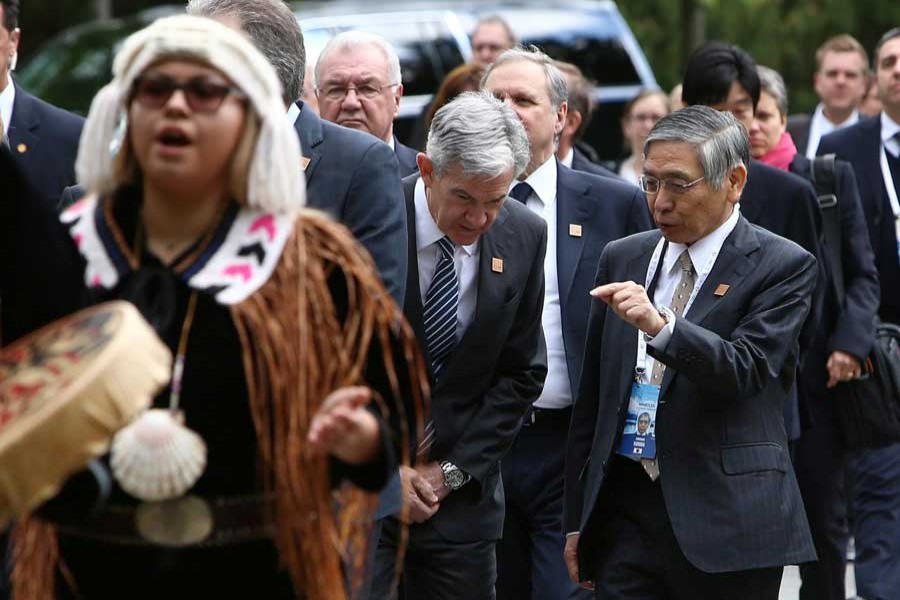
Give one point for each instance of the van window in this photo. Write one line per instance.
(426, 49)
(591, 40)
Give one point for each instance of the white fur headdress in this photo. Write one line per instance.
(275, 180)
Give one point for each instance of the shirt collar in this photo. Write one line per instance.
(701, 250)
(827, 126)
(889, 127)
(7, 99)
(392, 142)
(568, 158)
(293, 113)
(543, 181)
(427, 231)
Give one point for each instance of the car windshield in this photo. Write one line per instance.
(592, 40)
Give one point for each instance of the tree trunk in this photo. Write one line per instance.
(693, 26)
(103, 9)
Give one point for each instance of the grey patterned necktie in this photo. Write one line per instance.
(680, 298)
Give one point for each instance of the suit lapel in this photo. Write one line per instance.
(572, 208)
(490, 297)
(24, 125)
(731, 267)
(412, 306)
(309, 129)
(627, 335)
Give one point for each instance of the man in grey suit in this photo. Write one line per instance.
(474, 297)
(706, 506)
(352, 176)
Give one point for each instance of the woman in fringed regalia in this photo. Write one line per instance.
(294, 372)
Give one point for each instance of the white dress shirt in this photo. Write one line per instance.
(568, 159)
(557, 392)
(704, 253)
(626, 171)
(465, 259)
(819, 126)
(7, 99)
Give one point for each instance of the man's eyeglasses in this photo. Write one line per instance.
(652, 185)
(202, 95)
(338, 91)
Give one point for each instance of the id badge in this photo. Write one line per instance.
(639, 434)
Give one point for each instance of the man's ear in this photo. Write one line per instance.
(573, 122)
(737, 179)
(561, 113)
(426, 168)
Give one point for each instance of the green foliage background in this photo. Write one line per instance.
(782, 34)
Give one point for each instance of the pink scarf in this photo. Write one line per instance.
(781, 155)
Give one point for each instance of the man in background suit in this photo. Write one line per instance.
(872, 146)
(358, 84)
(578, 117)
(714, 510)
(583, 213)
(473, 297)
(840, 83)
(43, 139)
(351, 176)
(724, 77)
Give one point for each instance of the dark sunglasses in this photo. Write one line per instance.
(202, 95)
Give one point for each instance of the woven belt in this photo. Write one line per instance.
(190, 521)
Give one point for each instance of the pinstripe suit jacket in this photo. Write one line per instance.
(726, 477)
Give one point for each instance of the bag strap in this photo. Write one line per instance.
(824, 179)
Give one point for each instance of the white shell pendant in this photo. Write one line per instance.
(156, 457)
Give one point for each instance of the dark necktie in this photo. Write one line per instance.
(441, 303)
(521, 192)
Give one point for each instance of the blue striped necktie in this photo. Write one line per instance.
(441, 303)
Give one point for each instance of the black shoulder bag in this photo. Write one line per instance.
(868, 408)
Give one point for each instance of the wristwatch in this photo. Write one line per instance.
(453, 477)
(668, 316)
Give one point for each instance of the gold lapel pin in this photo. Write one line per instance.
(497, 265)
(722, 289)
(574, 230)
(304, 162)
(22, 148)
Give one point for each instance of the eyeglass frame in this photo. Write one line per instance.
(185, 89)
(669, 184)
(346, 90)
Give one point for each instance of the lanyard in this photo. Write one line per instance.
(889, 183)
(640, 366)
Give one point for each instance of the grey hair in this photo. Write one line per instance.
(480, 134)
(718, 138)
(771, 82)
(351, 40)
(273, 29)
(557, 87)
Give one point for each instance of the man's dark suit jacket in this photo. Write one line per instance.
(848, 327)
(606, 210)
(786, 205)
(798, 126)
(406, 156)
(860, 145)
(354, 177)
(726, 475)
(580, 162)
(496, 371)
(44, 142)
